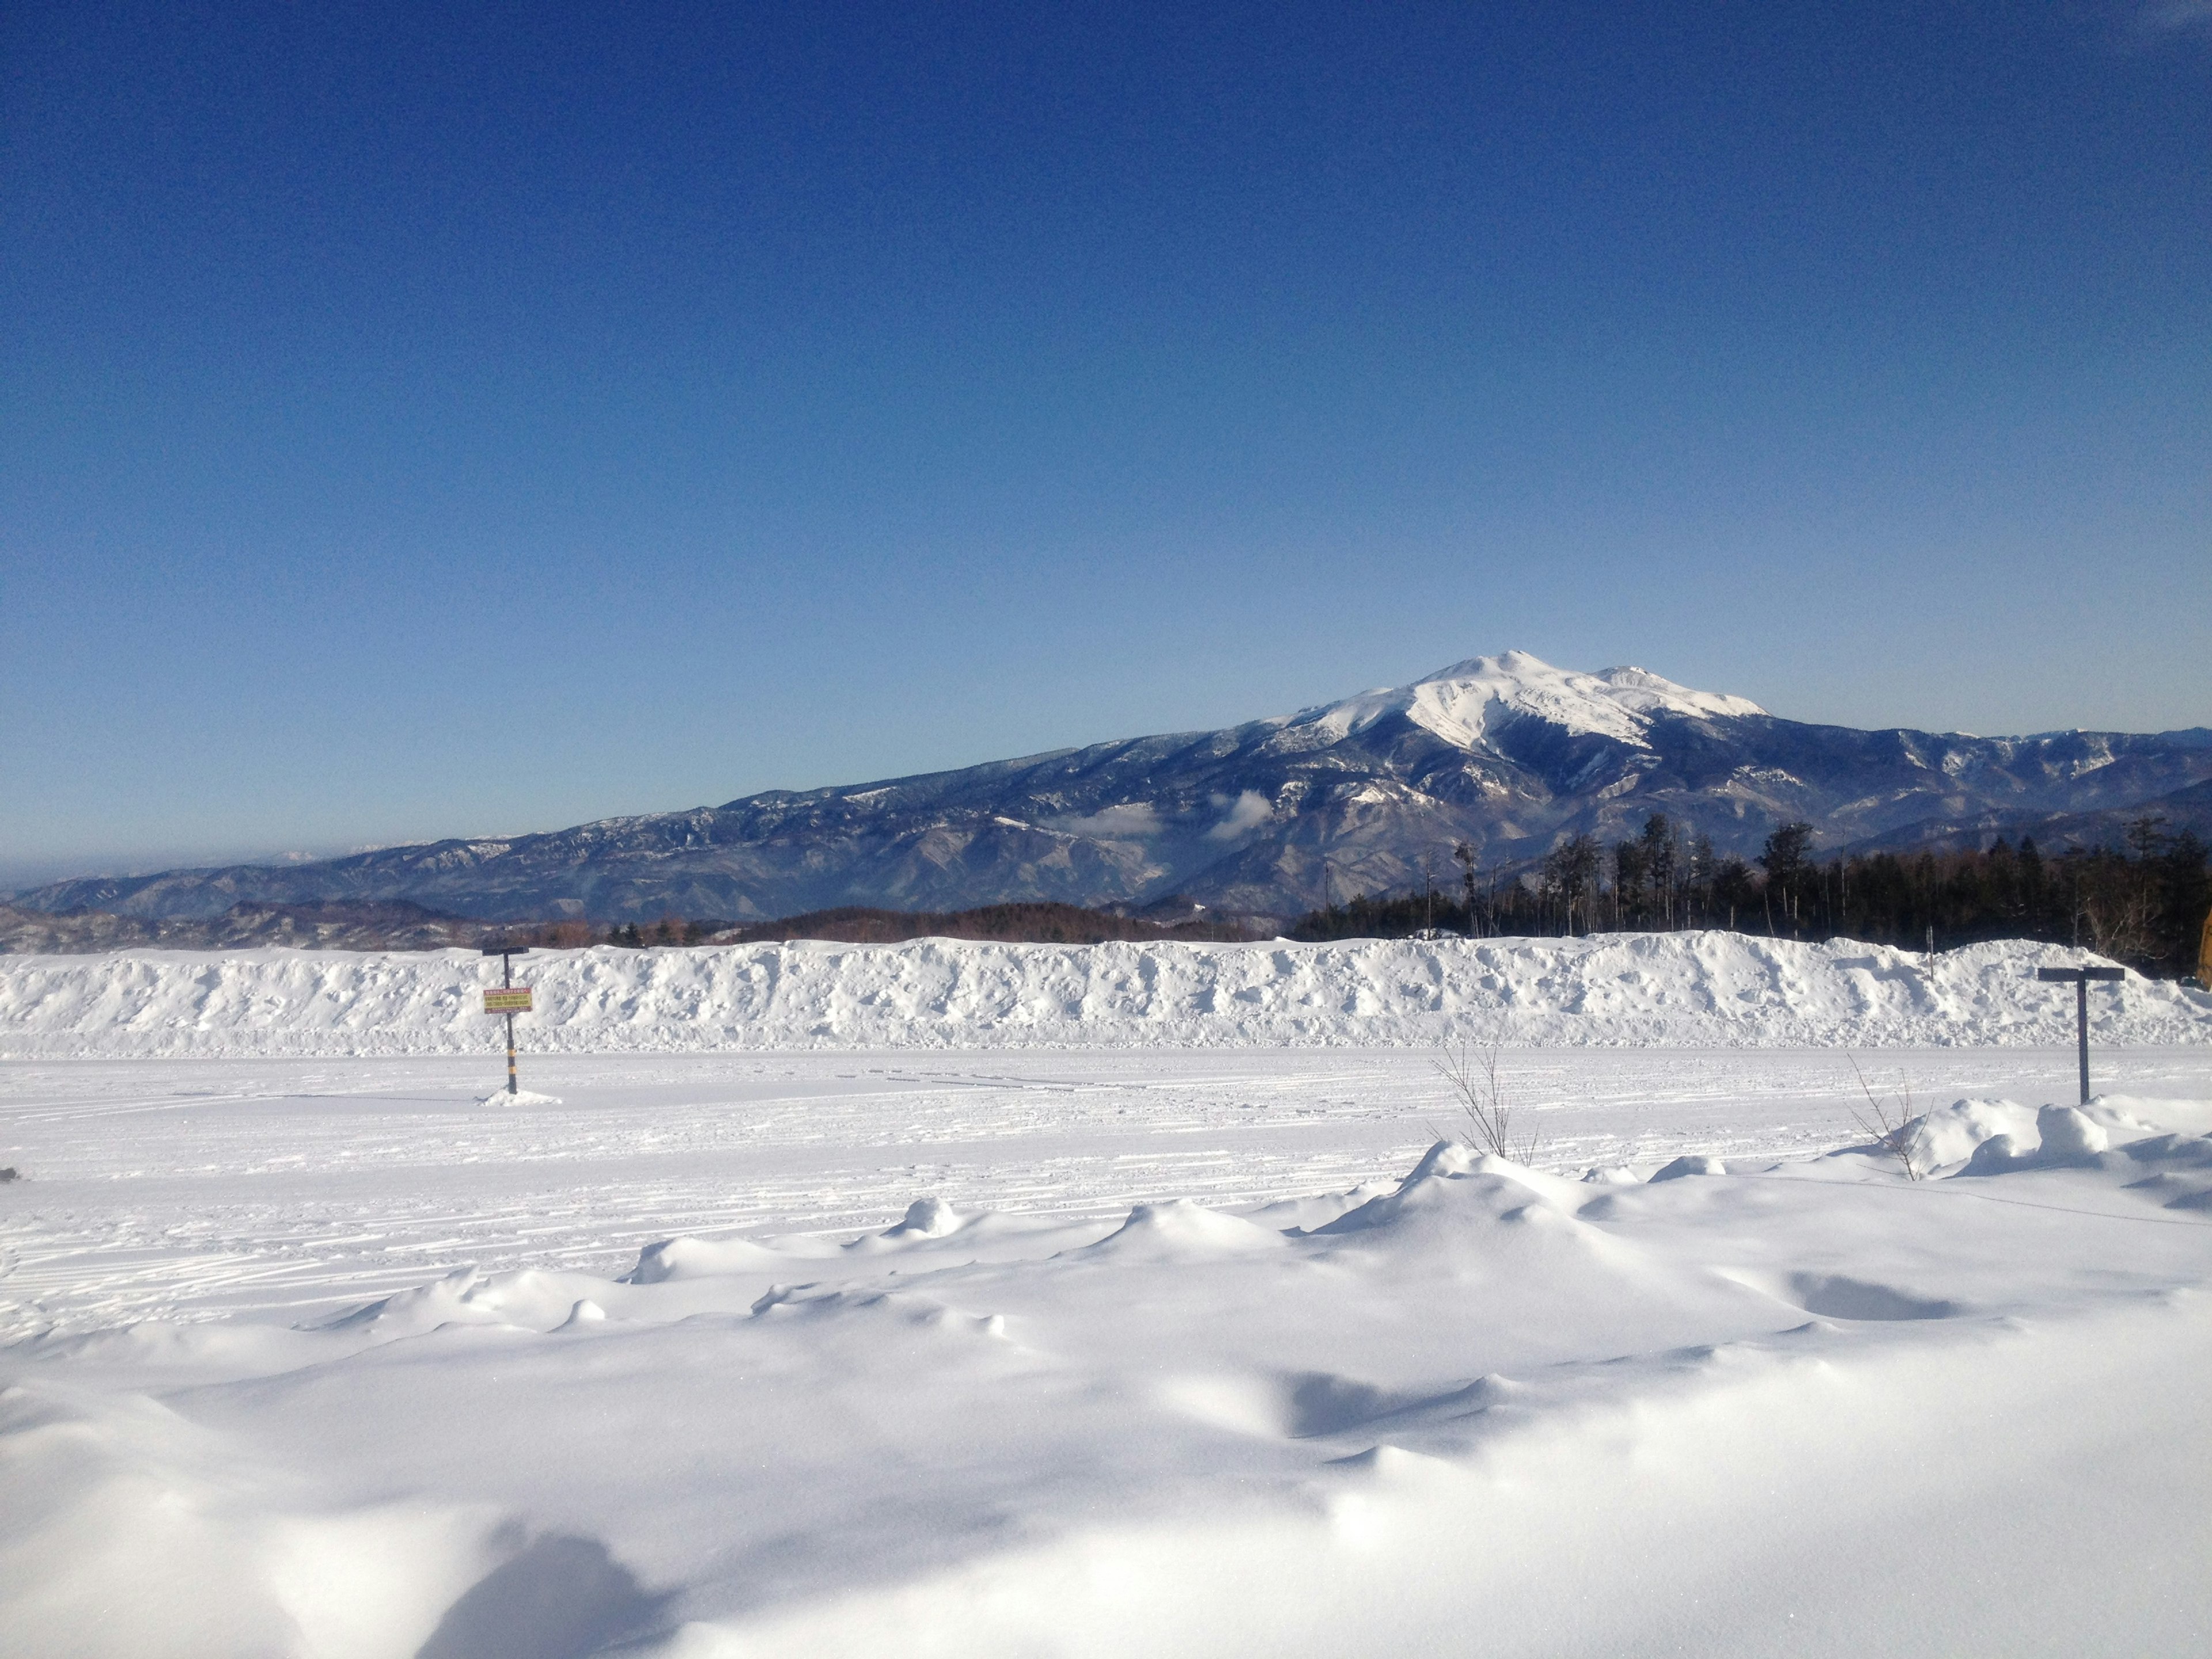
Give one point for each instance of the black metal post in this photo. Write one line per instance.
(2080, 978)
(2081, 1031)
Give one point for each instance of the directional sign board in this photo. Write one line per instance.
(2069, 975)
(512, 1000)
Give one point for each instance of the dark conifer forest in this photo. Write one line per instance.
(2142, 903)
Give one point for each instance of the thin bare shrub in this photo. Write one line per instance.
(1472, 1074)
(1890, 1123)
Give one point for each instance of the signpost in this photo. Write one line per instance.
(2079, 978)
(511, 998)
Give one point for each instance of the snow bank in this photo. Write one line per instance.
(1706, 989)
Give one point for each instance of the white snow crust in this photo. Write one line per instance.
(1707, 989)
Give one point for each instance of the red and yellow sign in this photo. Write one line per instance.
(511, 1001)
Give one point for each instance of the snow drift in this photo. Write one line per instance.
(1808, 1408)
(1704, 989)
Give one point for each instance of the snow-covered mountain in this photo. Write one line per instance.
(1461, 703)
(1507, 752)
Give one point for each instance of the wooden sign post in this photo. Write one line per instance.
(509, 999)
(2079, 978)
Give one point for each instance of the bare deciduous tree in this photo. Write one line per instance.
(2120, 923)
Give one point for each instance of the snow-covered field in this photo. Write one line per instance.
(1094, 1317)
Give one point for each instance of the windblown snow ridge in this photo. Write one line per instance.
(1706, 989)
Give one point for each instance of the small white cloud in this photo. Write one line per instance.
(2167, 16)
(1247, 812)
(1131, 819)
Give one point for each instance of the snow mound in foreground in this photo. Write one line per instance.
(1706, 989)
(1719, 1413)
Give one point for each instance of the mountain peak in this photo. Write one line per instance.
(1240, 819)
(1460, 703)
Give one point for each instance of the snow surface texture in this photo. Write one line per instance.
(1707, 989)
(1810, 1408)
(287, 1189)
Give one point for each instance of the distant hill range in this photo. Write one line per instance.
(396, 925)
(1507, 753)
(372, 925)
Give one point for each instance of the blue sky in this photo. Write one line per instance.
(414, 423)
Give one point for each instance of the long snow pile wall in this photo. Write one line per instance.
(1710, 989)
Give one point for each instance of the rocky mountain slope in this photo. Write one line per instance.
(1506, 752)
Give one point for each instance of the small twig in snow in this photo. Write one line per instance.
(1472, 1074)
(1890, 1124)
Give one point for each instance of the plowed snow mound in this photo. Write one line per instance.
(1704, 989)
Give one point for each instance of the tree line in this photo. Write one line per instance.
(2142, 903)
(1038, 921)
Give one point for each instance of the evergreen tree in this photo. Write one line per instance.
(1785, 862)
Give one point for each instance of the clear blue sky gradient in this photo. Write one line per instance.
(425, 420)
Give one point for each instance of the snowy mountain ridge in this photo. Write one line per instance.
(1506, 753)
(1461, 703)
